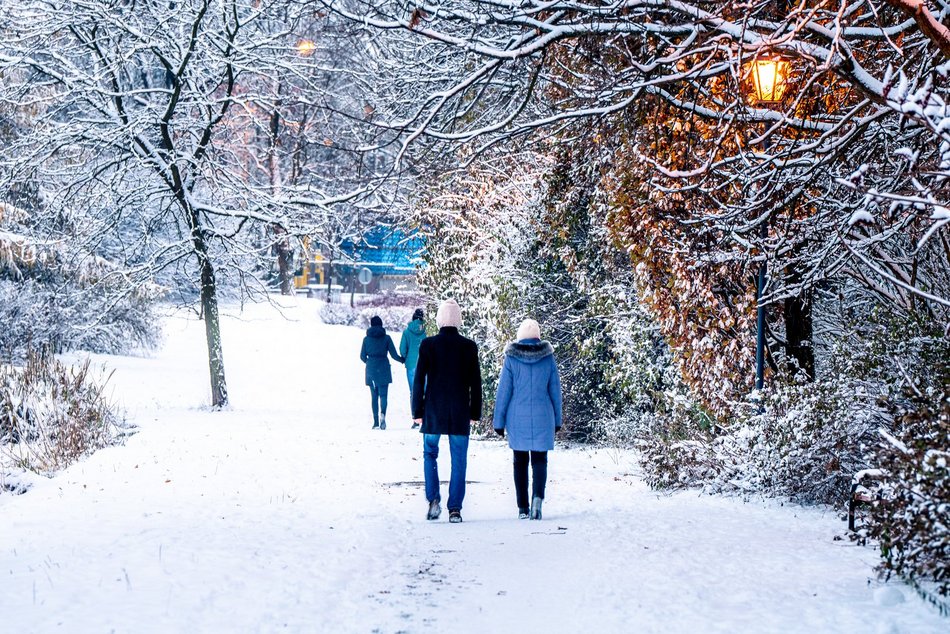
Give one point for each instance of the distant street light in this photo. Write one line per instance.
(770, 77)
(306, 48)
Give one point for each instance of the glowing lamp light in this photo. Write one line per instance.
(306, 48)
(770, 76)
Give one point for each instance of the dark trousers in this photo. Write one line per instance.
(539, 475)
(380, 397)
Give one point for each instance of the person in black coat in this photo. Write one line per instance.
(376, 344)
(447, 399)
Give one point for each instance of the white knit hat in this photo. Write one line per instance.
(449, 314)
(529, 329)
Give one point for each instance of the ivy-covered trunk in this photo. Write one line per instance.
(798, 334)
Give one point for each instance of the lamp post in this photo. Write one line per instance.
(770, 78)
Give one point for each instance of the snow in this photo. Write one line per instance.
(860, 216)
(888, 596)
(869, 473)
(286, 512)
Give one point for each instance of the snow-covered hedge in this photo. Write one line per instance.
(338, 314)
(912, 520)
(806, 440)
(806, 444)
(395, 318)
(52, 297)
(395, 309)
(65, 317)
(51, 415)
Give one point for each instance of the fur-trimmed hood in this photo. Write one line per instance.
(529, 351)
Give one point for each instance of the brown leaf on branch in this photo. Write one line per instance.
(417, 16)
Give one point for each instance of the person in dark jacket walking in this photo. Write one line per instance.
(412, 336)
(447, 399)
(528, 407)
(376, 344)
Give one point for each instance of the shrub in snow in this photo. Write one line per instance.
(390, 299)
(51, 415)
(912, 520)
(65, 317)
(805, 444)
(395, 309)
(56, 299)
(395, 318)
(338, 314)
(806, 440)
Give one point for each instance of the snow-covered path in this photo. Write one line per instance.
(287, 513)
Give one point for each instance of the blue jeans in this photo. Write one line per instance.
(410, 375)
(458, 448)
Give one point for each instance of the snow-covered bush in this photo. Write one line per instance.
(60, 298)
(338, 314)
(806, 440)
(912, 521)
(51, 415)
(65, 316)
(806, 444)
(389, 299)
(395, 310)
(395, 318)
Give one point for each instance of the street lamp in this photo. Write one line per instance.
(306, 48)
(770, 77)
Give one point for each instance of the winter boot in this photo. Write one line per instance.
(535, 512)
(522, 514)
(382, 421)
(455, 516)
(434, 510)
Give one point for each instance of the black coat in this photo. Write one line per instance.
(376, 344)
(447, 389)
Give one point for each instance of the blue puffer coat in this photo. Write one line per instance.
(528, 403)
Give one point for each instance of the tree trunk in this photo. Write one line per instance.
(798, 334)
(209, 307)
(285, 254)
(285, 262)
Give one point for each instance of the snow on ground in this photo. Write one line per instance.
(287, 513)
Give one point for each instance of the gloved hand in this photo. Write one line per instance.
(500, 432)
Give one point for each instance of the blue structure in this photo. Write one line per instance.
(386, 251)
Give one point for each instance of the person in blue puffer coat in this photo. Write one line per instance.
(528, 408)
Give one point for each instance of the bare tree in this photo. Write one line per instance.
(139, 116)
